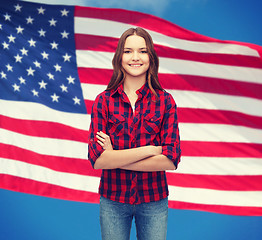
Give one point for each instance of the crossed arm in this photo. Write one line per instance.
(146, 158)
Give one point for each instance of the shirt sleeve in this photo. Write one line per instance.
(98, 123)
(169, 133)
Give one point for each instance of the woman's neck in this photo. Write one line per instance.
(131, 85)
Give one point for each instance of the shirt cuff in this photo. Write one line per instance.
(173, 153)
(94, 152)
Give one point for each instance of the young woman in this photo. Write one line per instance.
(134, 138)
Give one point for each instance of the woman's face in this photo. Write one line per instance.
(135, 59)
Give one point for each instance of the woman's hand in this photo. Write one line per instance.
(104, 140)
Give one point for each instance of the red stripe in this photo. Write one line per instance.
(182, 82)
(89, 105)
(210, 85)
(191, 115)
(46, 190)
(43, 129)
(62, 164)
(221, 149)
(218, 182)
(230, 210)
(109, 44)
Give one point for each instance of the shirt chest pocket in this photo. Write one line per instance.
(152, 123)
(116, 124)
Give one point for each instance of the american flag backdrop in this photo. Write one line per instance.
(56, 59)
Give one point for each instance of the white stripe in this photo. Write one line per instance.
(107, 28)
(191, 99)
(39, 112)
(46, 175)
(219, 166)
(46, 146)
(219, 133)
(216, 197)
(95, 59)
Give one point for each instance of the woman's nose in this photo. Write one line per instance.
(135, 56)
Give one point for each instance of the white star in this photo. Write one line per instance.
(16, 87)
(11, 38)
(64, 12)
(64, 88)
(18, 8)
(29, 20)
(7, 17)
(54, 98)
(19, 29)
(45, 55)
(22, 80)
(32, 42)
(57, 68)
(71, 80)
(1, 27)
(9, 68)
(24, 51)
(42, 84)
(76, 100)
(35, 93)
(18, 58)
(52, 22)
(37, 64)
(64, 34)
(41, 10)
(54, 45)
(66, 57)
(42, 33)
(30, 71)
(5, 45)
(3, 75)
(50, 76)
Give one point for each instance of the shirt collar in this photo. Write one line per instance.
(142, 92)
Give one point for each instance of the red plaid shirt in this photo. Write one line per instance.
(153, 122)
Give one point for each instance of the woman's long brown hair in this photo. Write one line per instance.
(118, 76)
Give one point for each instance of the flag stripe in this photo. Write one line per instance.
(219, 117)
(220, 166)
(46, 189)
(230, 183)
(217, 197)
(221, 149)
(45, 145)
(232, 210)
(56, 163)
(39, 112)
(43, 129)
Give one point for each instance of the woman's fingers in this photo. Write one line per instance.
(104, 139)
(100, 138)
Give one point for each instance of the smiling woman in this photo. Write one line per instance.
(134, 136)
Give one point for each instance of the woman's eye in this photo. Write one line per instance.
(127, 51)
(144, 51)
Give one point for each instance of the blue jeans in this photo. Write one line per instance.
(150, 219)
